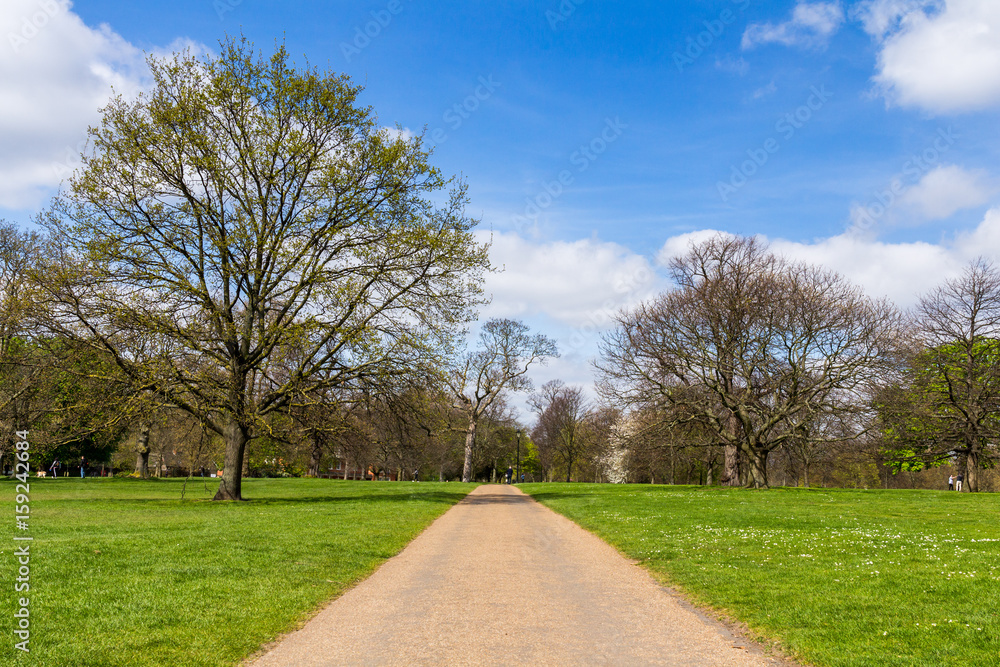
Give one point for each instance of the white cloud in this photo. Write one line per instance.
(55, 75)
(579, 284)
(899, 271)
(811, 26)
(769, 89)
(946, 190)
(939, 55)
(939, 194)
(567, 290)
(678, 245)
(879, 17)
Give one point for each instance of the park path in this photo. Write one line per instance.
(501, 580)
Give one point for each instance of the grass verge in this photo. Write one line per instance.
(125, 573)
(839, 577)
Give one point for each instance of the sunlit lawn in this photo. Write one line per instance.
(840, 577)
(125, 573)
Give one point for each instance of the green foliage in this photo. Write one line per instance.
(531, 464)
(950, 404)
(246, 234)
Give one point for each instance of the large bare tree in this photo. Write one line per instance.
(245, 209)
(752, 347)
(497, 366)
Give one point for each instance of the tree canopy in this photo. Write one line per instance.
(947, 404)
(246, 235)
(756, 350)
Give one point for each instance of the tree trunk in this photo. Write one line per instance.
(757, 478)
(142, 452)
(731, 467)
(470, 439)
(230, 488)
(972, 471)
(316, 457)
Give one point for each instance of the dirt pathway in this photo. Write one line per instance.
(500, 579)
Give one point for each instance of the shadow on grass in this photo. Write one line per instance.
(545, 496)
(428, 496)
(199, 493)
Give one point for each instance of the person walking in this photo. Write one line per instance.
(510, 474)
(951, 482)
(958, 482)
(83, 467)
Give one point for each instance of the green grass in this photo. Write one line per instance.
(125, 573)
(839, 577)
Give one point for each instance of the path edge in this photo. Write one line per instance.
(741, 634)
(264, 649)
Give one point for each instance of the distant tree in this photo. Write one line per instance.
(948, 405)
(531, 465)
(498, 365)
(751, 348)
(561, 413)
(242, 210)
(22, 362)
(84, 406)
(597, 433)
(496, 441)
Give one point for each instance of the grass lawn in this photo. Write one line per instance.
(125, 573)
(839, 577)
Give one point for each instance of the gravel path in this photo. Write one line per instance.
(500, 579)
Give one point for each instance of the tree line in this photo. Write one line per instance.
(764, 369)
(250, 275)
(246, 255)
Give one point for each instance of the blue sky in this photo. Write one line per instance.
(599, 138)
